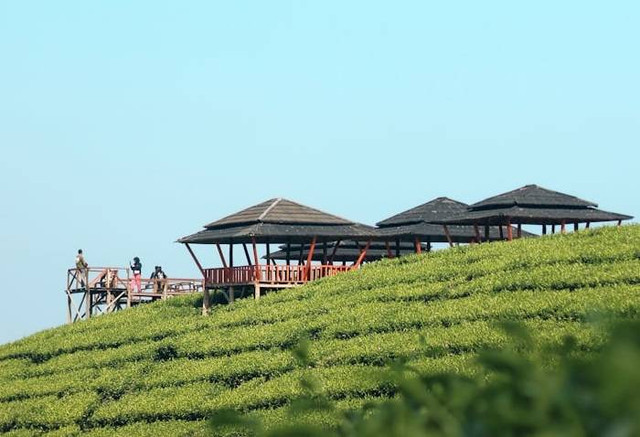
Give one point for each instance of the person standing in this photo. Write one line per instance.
(136, 268)
(81, 268)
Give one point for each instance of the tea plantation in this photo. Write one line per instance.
(162, 369)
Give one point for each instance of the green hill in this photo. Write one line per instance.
(161, 369)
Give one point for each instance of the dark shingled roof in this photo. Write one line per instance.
(533, 205)
(532, 196)
(279, 211)
(436, 209)
(418, 222)
(280, 221)
(536, 216)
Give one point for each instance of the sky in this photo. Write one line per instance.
(126, 125)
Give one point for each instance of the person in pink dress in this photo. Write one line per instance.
(136, 268)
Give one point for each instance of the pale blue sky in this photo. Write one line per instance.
(125, 125)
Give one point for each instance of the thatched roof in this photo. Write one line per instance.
(532, 204)
(436, 209)
(280, 221)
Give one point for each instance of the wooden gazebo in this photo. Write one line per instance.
(533, 205)
(282, 222)
(418, 225)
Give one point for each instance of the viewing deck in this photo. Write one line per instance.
(98, 290)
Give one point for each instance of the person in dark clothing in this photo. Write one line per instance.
(136, 268)
(160, 279)
(81, 268)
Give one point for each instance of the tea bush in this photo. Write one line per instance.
(162, 369)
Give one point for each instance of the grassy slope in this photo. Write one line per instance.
(161, 368)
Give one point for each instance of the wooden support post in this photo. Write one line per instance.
(288, 254)
(446, 232)
(429, 244)
(619, 222)
(193, 255)
(224, 262)
(230, 254)
(576, 227)
(519, 230)
(418, 245)
(268, 246)
(69, 311)
(333, 252)
(501, 232)
(257, 262)
(256, 291)
(89, 299)
(69, 299)
(544, 229)
(307, 270)
(509, 230)
(231, 294)
(324, 253)
(362, 255)
(246, 254)
(562, 226)
(487, 236)
(206, 301)
(128, 283)
(588, 223)
(397, 247)
(388, 246)
(477, 232)
(109, 299)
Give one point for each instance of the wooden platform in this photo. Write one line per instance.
(99, 290)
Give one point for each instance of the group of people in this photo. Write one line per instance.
(158, 276)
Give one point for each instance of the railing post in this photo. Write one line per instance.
(128, 286)
(87, 289)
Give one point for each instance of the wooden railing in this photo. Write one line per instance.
(97, 277)
(106, 278)
(271, 274)
(166, 287)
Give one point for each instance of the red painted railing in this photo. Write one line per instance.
(270, 274)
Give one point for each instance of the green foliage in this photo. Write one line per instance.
(162, 369)
(516, 392)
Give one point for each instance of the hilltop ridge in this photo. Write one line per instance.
(160, 369)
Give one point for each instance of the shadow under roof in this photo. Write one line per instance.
(535, 216)
(434, 233)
